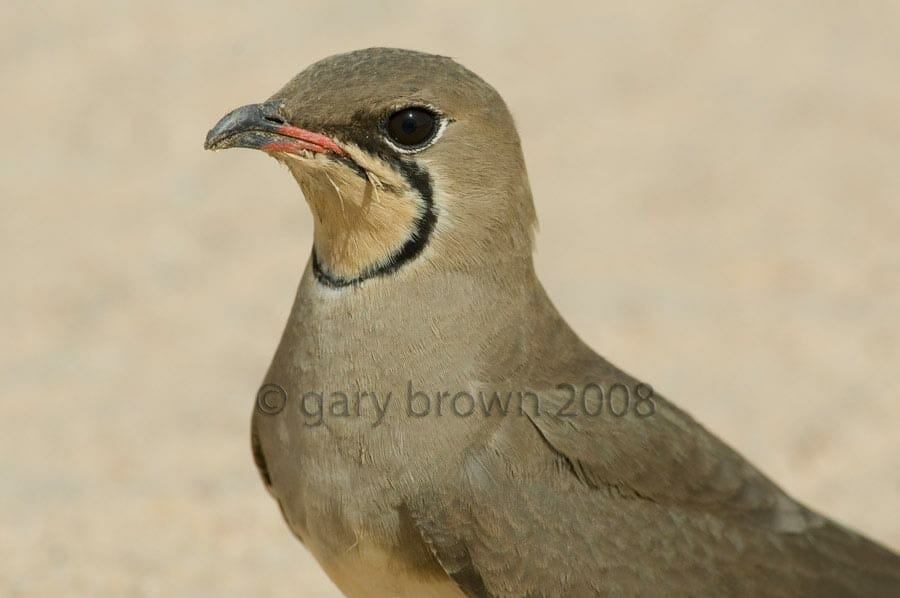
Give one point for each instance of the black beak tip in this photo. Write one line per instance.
(252, 119)
(228, 125)
(208, 144)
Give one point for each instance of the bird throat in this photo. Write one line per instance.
(365, 226)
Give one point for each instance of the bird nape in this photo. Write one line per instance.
(430, 426)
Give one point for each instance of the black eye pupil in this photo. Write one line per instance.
(411, 127)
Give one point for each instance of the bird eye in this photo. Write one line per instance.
(411, 128)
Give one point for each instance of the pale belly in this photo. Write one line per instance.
(348, 519)
(367, 573)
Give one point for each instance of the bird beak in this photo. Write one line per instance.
(261, 126)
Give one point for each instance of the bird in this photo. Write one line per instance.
(431, 426)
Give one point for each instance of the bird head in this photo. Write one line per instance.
(403, 157)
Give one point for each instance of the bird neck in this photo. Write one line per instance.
(418, 319)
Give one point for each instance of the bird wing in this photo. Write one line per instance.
(551, 505)
(638, 443)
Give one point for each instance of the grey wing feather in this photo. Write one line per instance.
(550, 506)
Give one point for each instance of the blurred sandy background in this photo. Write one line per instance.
(718, 187)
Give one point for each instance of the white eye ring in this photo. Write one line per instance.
(441, 127)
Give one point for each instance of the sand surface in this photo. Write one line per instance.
(718, 186)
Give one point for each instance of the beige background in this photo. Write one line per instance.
(718, 187)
